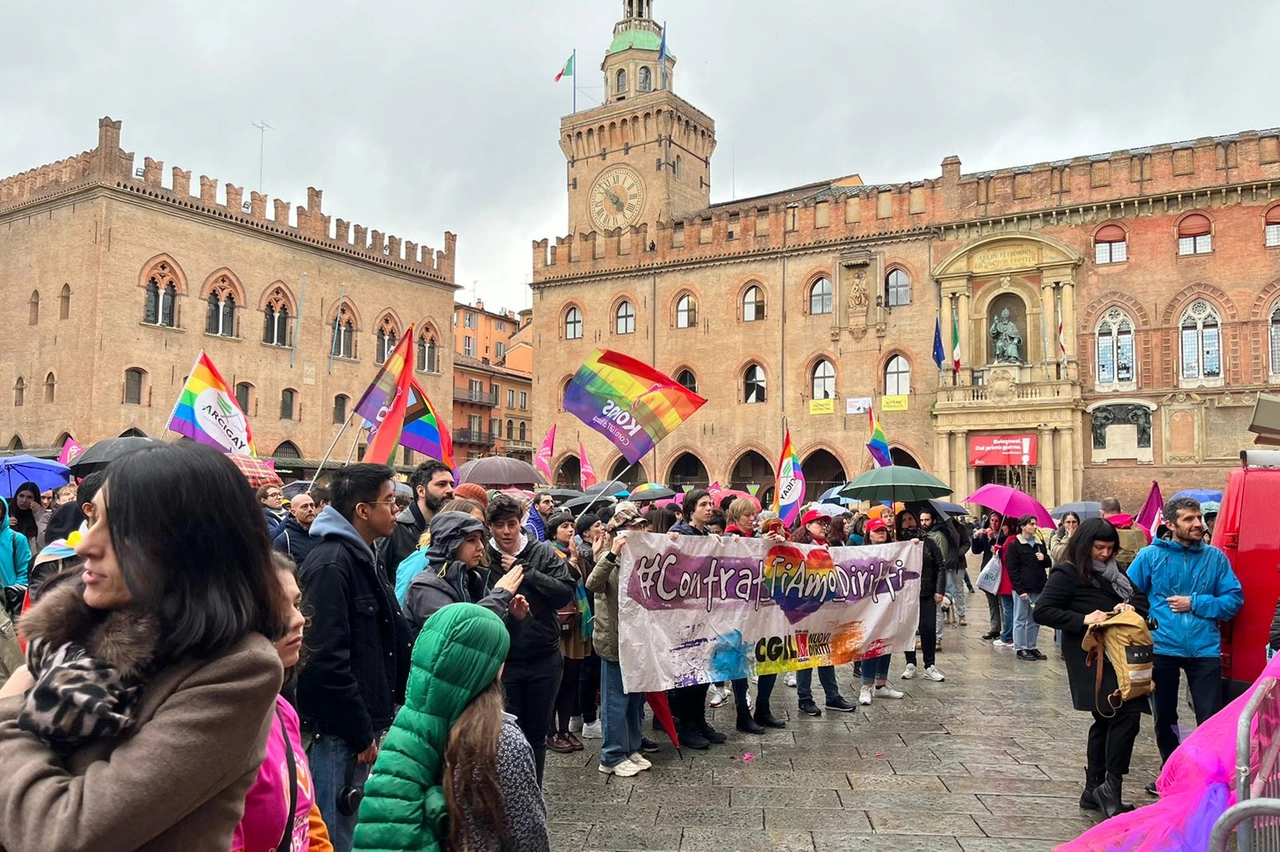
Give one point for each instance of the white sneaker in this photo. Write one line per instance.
(910, 672)
(591, 731)
(624, 769)
(575, 724)
(887, 691)
(789, 679)
(864, 696)
(932, 673)
(639, 760)
(717, 695)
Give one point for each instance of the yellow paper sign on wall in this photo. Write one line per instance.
(893, 403)
(822, 406)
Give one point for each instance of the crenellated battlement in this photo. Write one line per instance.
(1116, 184)
(108, 165)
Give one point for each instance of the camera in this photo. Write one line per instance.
(350, 796)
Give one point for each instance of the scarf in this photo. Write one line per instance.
(1110, 571)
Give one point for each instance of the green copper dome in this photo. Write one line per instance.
(638, 39)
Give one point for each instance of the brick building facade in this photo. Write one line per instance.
(1160, 265)
(492, 409)
(117, 279)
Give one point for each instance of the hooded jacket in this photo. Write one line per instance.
(292, 539)
(548, 585)
(1169, 568)
(439, 579)
(358, 643)
(403, 541)
(15, 552)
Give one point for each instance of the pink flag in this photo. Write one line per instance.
(587, 473)
(1152, 512)
(70, 451)
(542, 461)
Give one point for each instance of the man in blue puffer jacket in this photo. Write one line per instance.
(1191, 588)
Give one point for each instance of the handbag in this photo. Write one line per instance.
(989, 579)
(286, 842)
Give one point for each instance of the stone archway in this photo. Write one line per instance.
(630, 474)
(751, 469)
(687, 469)
(822, 471)
(902, 458)
(568, 474)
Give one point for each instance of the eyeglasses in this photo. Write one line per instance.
(388, 502)
(274, 495)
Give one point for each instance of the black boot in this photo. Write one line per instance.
(1107, 795)
(746, 724)
(1092, 779)
(765, 717)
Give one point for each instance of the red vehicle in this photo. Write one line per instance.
(1247, 532)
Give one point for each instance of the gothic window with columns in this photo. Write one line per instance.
(1273, 338)
(220, 317)
(1201, 343)
(387, 336)
(275, 330)
(1115, 349)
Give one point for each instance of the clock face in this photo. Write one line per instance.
(617, 198)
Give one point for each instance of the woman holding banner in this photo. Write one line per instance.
(814, 527)
(740, 518)
(875, 671)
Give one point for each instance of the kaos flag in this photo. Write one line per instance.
(207, 411)
(789, 493)
(629, 402)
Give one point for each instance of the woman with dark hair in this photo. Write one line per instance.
(1067, 525)
(25, 511)
(1027, 566)
(169, 631)
(1082, 591)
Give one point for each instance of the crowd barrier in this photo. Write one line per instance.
(1255, 818)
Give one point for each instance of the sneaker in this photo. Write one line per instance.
(638, 759)
(964, 623)
(623, 769)
(648, 746)
(717, 696)
(789, 679)
(840, 705)
(910, 672)
(558, 743)
(1000, 643)
(887, 691)
(808, 708)
(591, 731)
(864, 696)
(932, 673)
(1039, 655)
(575, 724)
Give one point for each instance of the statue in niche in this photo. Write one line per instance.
(1006, 339)
(858, 293)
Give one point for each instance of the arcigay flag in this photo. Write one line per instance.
(207, 411)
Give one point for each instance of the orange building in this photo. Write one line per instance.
(492, 411)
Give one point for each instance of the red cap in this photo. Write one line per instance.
(875, 524)
(813, 515)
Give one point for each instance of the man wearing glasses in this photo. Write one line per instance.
(272, 499)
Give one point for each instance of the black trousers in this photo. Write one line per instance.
(531, 687)
(928, 632)
(994, 612)
(589, 688)
(689, 704)
(1204, 682)
(1111, 744)
(566, 697)
(764, 690)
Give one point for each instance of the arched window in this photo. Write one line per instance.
(820, 296)
(621, 81)
(753, 304)
(19, 392)
(134, 381)
(823, 380)
(340, 403)
(1272, 227)
(344, 333)
(1110, 245)
(524, 431)
(625, 318)
(243, 391)
(646, 79)
(287, 450)
(1201, 338)
(288, 397)
(275, 330)
(511, 430)
(573, 324)
(387, 335)
(897, 288)
(1273, 337)
(688, 380)
(162, 295)
(220, 316)
(64, 302)
(33, 316)
(1195, 234)
(50, 387)
(686, 311)
(1115, 348)
(428, 353)
(753, 384)
(897, 377)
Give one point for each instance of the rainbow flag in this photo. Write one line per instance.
(394, 401)
(207, 411)
(427, 434)
(629, 402)
(878, 445)
(788, 496)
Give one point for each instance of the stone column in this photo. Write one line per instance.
(960, 484)
(942, 455)
(1046, 464)
(1070, 453)
(1049, 326)
(968, 358)
(1069, 329)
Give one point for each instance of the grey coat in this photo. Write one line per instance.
(603, 581)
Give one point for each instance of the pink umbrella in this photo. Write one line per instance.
(1011, 503)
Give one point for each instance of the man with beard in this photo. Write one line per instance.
(432, 484)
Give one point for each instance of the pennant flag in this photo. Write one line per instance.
(1152, 512)
(939, 354)
(878, 445)
(70, 450)
(1062, 337)
(753, 488)
(207, 411)
(397, 411)
(955, 341)
(788, 496)
(542, 461)
(629, 402)
(586, 473)
(662, 55)
(566, 70)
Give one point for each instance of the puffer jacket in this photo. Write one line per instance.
(1166, 569)
(548, 585)
(441, 580)
(603, 582)
(15, 552)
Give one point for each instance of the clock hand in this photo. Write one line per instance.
(617, 202)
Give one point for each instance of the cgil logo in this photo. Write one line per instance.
(622, 417)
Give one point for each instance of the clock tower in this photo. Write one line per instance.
(644, 154)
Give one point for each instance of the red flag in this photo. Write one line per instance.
(385, 432)
(1151, 514)
(587, 474)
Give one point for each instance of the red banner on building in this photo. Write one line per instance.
(996, 450)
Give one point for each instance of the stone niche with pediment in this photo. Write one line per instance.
(1122, 429)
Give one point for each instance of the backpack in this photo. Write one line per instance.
(1131, 541)
(1127, 642)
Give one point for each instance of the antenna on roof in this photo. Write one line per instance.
(263, 127)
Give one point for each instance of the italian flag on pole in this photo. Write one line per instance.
(567, 70)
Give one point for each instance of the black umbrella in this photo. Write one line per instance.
(301, 486)
(500, 472)
(101, 454)
(611, 488)
(579, 504)
(562, 494)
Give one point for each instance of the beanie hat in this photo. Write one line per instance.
(558, 517)
(586, 522)
(471, 491)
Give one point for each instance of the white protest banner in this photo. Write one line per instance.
(698, 609)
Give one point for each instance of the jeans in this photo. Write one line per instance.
(1203, 682)
(826, 676)
(1025, 629)
(928, 632)
(955, 588)
(1111, 744)
(876, 670)
(620, 716)
(330, 757)
(1006, 610)
(531, 687)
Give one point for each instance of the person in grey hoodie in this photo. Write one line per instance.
(450, 576)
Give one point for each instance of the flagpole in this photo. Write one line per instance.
(337, 321)
(334, 442)
(575, 79)
(617, 478)
(354, 444)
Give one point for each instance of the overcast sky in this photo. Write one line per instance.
(421, 117)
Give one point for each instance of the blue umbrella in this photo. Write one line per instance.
(833, 495)
(1200, 495)
(45, 473)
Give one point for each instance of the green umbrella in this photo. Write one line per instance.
(895, 483)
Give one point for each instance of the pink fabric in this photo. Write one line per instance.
(1196, 787)
(266, 805)
(1006, 585)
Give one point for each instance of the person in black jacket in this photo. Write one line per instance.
(531, 678)
(1028, 566)
(932, 564)
(358, 642)
(1080, 592)
(294, 537)
(432, 484)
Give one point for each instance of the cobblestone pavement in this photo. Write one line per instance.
(992, 759)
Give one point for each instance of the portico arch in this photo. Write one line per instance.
(568, 472)
(822, 470)
(687, 469)
(624, 471)
(751, 468)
